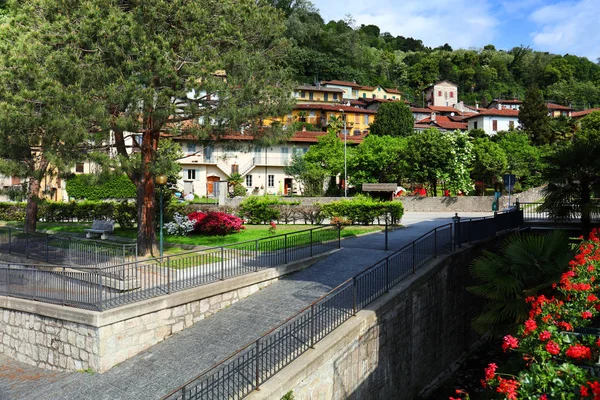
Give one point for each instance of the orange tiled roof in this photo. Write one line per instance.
(420, 110)
(579, 114)
(328, 107)
(444, 109)
(319, 89)
(495, 112)
(444, 122)
(553, 106)
(342, 83)
(513, 101)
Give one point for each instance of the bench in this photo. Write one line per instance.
(100, 227)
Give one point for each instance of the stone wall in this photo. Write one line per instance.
(395, 347)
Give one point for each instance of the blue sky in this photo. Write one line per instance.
(555, 26)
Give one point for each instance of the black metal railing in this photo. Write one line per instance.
(569, 212)
(248, 368)
(65, 250)
(104, 287)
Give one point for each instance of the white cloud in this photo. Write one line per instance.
(460, 23)
(568, 27)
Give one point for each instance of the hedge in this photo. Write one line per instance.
(86, 186)
(364, 210)
(262, 209)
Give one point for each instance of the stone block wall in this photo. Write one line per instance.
(48, 343)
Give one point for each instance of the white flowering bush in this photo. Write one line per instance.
(180, 226)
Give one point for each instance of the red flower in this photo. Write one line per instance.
(579, 352)
(545, 336)
(544, 397)
(508, 387)
(552, 348)
(509, 342)
(584, 391)
(490, 371)
(586, 315)
(592, 297)
(598, 342)
(530, 326)
(565, 325)
(595, 386)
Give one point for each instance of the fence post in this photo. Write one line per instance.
(169, 274)
(387, 274)
(99, 274)
(311, 242)
(285, 253)
(354, 296)
(414, 269)
(256, 258)
(47, 248)
(124, 256)
(495, 223)
(69, 251)
(64, 287)
(456, 225)
(9, 240)
(312, 326)
(8, 279)
(222, 263)
(257, 365)
(27, 245)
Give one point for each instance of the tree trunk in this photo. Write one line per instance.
(146, 239)
(33, 197)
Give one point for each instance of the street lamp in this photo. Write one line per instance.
(345, 167)
(161, 181)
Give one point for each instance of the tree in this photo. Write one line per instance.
(573, 176)
(178, 67)
(490, 160)
(427, 157)
(533, 117)
(43, 104)
(378, 159)
(310, 175)
(523, 159)
(393, 119)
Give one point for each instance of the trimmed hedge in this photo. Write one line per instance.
(262, 209)
(364, 210)
(84, 186)
(12, 211)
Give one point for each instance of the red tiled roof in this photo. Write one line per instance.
(319, 89)
(444, 109)
(342, 83)
(553, 106)
(579, 114)
(391, 90)
(367, 87)
(495, 112)
(420, 110)
(313, 137)
(443, 122)
(327, 107)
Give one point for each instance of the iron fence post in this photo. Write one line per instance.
(183, 392)
(69, 250)
(414, 269)
(256, 258)
(47, 248)
(169, 274)
(456, 225)
(386, 232)
(495, 223)
(64, 287)
(8, 279)
(99, 289)
(354, 296)
(312, 326)
(27, 245)
(311, 242)
(387, 274)
(9, 241)
(222, 263)
(257, 365)
(285, 254)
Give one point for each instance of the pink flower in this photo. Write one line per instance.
(509, 342)
(490, 371)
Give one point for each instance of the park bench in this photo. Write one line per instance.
(100, 227)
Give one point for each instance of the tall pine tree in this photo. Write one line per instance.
(534, 118)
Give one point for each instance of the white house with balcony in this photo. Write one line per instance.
(493, 120)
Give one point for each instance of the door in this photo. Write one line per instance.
(210, 184)
(287, 186)
(188, 187)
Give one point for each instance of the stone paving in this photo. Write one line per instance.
(169, 364)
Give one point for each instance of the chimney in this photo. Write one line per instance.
(476, 105)
(433, 116)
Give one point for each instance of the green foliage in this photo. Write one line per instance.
(526, 265)
(261, 209)
(89, 187)
(523, 159)
(533, 117)
(125, 214)
(490, 160)
(288, 396)
(239, 190)
(427, 157)
(364, 210)
(378, 159)
(12, 211)
(309, 174)
(393, 119)
(88, 211)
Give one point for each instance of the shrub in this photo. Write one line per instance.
(12, 211)
(86, 186)
(364, 210)
(180, 226)
(239, 190)
(125, 214)
(312, 214)
(215, 223)
(262, 209)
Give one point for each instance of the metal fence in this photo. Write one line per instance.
(249, 367)
(533, 212)
(104, 287)
(65, 250)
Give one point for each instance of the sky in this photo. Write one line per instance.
(555, 26)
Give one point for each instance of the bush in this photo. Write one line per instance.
(12, 211)
(125, 214)
(86, 186)
(239, 190)
(311, 214)
(180, 226)
(215, 223)
(262, 209)
(364, 210)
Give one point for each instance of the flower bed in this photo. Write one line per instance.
(210, 223)
(559, 345)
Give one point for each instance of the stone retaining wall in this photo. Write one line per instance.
(402, 342)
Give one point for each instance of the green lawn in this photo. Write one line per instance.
(252, 232)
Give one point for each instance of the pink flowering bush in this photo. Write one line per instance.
(560, 352)
(215, 223)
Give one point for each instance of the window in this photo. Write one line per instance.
(79, 167)
(374, 96)
(310, 96)
(364, 95)
(356, 119)
(138, 139)
(249, 180)
(379, 89)
(439, 93)
(235, 169)
(511, 125)
(474, 124)
(366, 120)
(494, 125)
(393, 97)
(451, 95)
(271, 180)
(191, 174)
(303, 94)
(191, 148)
(335, 96)
(326, 96)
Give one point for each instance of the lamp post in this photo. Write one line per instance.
(345, 166)
(161, 181)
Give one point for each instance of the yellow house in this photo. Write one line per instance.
(379, 92)
(357, 119)
(318, 94)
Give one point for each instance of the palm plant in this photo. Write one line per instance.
(526, 265)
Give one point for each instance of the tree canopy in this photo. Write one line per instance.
(393, 119)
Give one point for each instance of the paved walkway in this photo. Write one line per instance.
(169, 364)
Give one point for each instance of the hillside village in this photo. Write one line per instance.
(262, 168)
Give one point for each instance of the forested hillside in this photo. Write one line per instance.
(341, 50)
